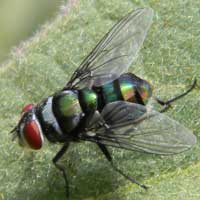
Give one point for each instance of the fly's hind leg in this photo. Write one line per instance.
(61, 167)
(166, 104)
(109, 158)
(97, 119)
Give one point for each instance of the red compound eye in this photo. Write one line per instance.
(32, 135)
(27, 107)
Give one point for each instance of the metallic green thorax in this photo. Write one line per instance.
(67, 110)
(69, 105)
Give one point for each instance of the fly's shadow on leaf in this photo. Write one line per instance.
(90, 174)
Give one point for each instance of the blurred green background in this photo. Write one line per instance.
(169, 60)
(19, 19)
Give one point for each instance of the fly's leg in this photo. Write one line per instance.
(166, 104)
(61, 167)
(97, 119)
(109, 158)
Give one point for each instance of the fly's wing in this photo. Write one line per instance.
(133, 127)
(115, 52)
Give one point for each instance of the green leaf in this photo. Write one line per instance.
(43, 64)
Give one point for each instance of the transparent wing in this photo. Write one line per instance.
(133, 127)
(115, 52)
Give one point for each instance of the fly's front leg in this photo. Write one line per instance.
(55, 160)
(166, 104)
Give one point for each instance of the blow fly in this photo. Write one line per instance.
(104, 104)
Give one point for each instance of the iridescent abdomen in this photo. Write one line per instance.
(127, 87)
(134, 89)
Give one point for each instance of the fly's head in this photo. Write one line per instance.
(28, 130)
